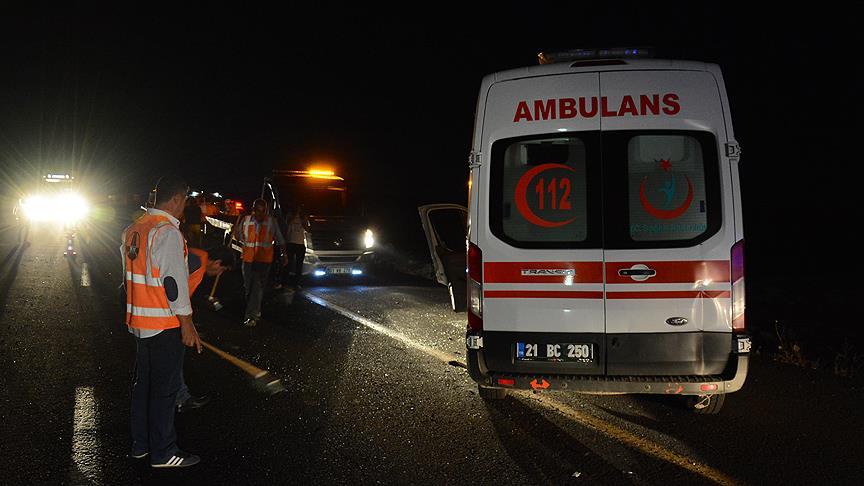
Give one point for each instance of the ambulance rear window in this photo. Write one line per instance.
(672, 188)
(543, 192)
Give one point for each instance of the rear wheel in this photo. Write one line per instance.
(489, 393)
(706, 404)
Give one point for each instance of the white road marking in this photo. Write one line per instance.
(85, 435)
(642, 444)
(85, 275)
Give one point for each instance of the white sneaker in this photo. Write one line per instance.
(179, 459)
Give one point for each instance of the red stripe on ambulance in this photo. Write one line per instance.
(671, 294)
(673, 272)
(542, 272)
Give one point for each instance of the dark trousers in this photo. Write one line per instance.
(294, 271)
(254, 281)
(158, 374)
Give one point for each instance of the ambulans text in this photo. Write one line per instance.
(567, 108)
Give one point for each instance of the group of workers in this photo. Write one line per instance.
(162, 269)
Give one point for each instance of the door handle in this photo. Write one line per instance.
(638, 272)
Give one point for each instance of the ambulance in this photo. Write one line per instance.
(605, 241)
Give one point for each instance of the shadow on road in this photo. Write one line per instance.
(543, 451)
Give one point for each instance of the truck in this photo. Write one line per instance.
(338, 241)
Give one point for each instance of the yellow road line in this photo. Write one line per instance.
(629, 439)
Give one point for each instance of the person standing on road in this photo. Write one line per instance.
(295, 248)
(200, 263)
(192, 221)
(159, 315)
(257, 232)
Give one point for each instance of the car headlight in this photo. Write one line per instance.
(369, 239)
(73, 208)
(36, 208)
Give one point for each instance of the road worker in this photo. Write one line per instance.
(200, 263)
(193, 219)
(159, 315)
(257, 233)
(296, 247)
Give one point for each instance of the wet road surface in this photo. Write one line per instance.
(374, 392)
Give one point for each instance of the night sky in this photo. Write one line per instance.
(388, 97)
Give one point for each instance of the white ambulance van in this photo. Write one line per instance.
(605, 241)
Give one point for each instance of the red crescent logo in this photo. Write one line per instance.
(521, 197)
(666, 214)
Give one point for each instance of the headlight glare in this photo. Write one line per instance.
(62, 208)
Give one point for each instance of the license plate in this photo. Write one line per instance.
(340, 270)
(556, 352)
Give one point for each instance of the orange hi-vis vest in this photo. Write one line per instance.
(146, 302)
(257, 246)
(197, 276)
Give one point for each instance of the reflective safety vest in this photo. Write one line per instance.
(257, 245)
(197, 276)
(146, 302)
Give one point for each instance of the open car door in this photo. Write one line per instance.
(446, 228)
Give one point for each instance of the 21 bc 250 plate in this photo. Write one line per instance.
(555, 352)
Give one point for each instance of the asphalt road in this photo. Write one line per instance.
(375, 392)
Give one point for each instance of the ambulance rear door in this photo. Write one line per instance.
(668, 223)
(539, 225)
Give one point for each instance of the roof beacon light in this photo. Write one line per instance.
(594, 54)
(321, 172)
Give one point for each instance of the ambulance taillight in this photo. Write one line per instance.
(475, 288)
(738, 299)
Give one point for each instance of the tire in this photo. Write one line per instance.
(472, 361)
(458, 295)
(488, 393)
(697, 404)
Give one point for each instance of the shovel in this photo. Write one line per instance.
(212, 300)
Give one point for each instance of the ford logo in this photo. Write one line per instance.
(676, 321)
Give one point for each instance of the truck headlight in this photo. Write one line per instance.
(369, 239)
(64, 208)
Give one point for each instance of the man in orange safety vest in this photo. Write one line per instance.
(257, 232)
(159, 315)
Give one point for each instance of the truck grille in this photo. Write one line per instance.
(335, 240)
(338, 259)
